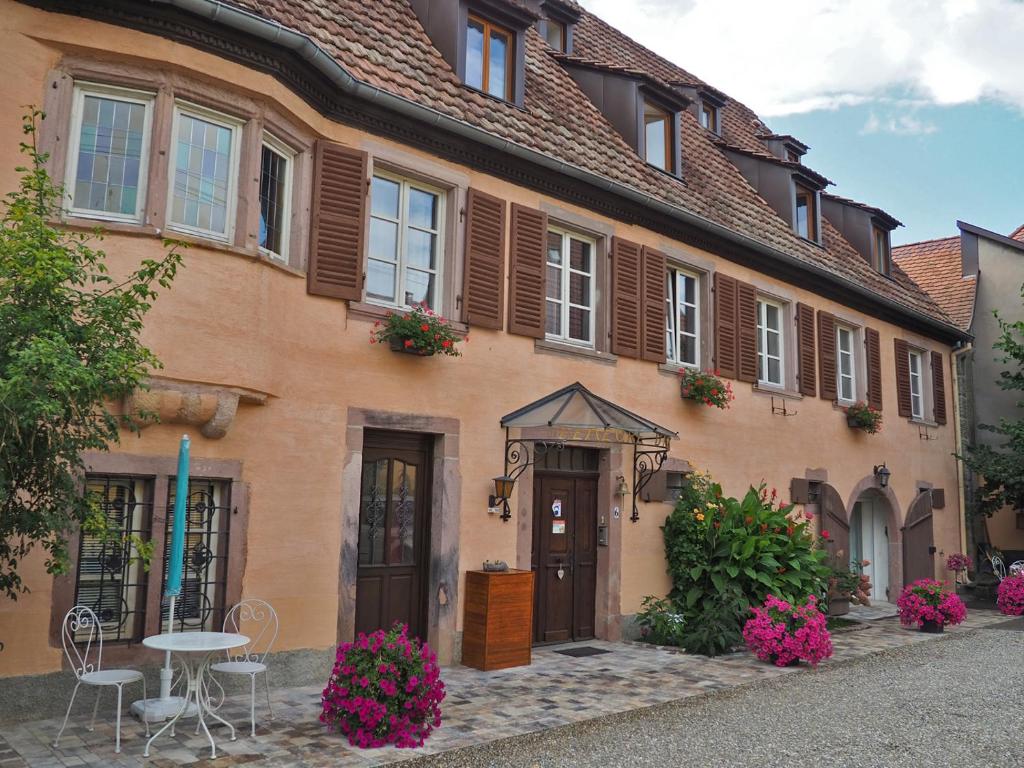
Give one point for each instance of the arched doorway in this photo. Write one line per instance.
(870, 540)
(919, 540)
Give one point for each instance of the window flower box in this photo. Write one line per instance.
(862, 416)
(705, 387)
(419, 331)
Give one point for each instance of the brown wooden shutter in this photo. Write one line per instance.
(338, 222)
(873, 353)
(726, 339)
(827, 356)
(746, 327)
(938, 498)
(528, 242)
(626, 258)
(902, 354)
(483, 282)
(938, 388)
(652, 306)
(805, 349)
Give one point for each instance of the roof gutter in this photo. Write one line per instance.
(276, 33)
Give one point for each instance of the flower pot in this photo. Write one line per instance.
(838, 606)
(933, 627)
(790, 663)
(398, 345)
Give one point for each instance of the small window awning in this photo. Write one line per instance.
(576, 407)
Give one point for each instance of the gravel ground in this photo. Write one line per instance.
(955, 702)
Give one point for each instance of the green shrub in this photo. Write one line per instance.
(661, 622)
(725, 555)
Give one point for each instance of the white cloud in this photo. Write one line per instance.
(903, 125)
(795, 56)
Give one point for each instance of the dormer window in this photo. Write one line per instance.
(489, 50)
(555, 34)
(658, 137)
(883, 257)
(806, 213)
(709, 116)
(792, 156)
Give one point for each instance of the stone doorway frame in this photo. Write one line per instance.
(893, 519)
(446, 512)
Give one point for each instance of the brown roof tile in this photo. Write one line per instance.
(1018, 233)
(383, 44)
(935, 266)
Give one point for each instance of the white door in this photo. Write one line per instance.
(869, 540)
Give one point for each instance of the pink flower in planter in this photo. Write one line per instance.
(1010, 596)
(782, 633)
(930, 600)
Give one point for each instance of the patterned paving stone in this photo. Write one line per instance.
(481, 707)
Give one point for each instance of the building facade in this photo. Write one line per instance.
(972, 276)
(582, 210)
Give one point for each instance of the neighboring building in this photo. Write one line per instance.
(971, 276)
(587, 211)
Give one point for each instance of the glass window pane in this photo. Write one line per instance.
(383, 240)
(420, 248)
(553, 324)
(554, 248)
(373, 512)
(555, 35)
(773, 343)
(656, 137)
(801, 215)
(422, 209)
(497, 75)
(688, 350)
(771, 316)
(403, 510)
(685, 322)
(475, 54)
(774, 371)
(579, 289)
(384, 197)
(554, 283)
(380, 280)
(689, 289)
(579, 324)
(202, 181)
(109, 155)
(419, 288)
(579, 255)
(273, 205)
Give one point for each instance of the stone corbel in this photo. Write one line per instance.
(211, 407)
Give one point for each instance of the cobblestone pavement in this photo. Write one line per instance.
(481, 707)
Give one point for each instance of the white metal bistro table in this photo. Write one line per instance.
(195, 649)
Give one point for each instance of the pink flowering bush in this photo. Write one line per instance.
(783, 633)
(930, 600)
(958, 561)
(385, 689)
(1010, 597)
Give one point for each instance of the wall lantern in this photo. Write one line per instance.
(503, 485)
(621, 489)
(882, 475)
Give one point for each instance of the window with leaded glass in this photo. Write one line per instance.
(387, 512)
(200, 606)
(769, 343)
(570, 287)
(275, 197)
(405, 243)
(109, 152)
(110, 578)
(682, 317)
(204, 171)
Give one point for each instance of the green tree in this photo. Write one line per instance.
(1000, 467)
(69, 354)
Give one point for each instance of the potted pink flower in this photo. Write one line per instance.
(385, 689)
(1010, 596)
(930, 605)
(785, 634)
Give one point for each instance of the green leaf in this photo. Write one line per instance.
(732, 570)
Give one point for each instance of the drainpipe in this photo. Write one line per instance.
(959, 352)
(276, 33)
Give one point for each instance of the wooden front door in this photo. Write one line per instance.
(564, 557)
(394, 524)
(919, 540)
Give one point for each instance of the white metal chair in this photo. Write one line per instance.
(79, 621)
(258, 620)
(1017, 568)
(998, 566)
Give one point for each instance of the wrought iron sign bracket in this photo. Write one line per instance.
(648, 457)
(519, 457)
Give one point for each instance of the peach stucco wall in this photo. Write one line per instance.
(235, 321)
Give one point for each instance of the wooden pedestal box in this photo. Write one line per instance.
(497, 630)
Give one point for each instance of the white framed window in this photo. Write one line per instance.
(769, 343)
(405, 246)
(916, 390)
(846, 375)
(277, 167)
(570, 287)
(204, 172)
(682, 317)
(108, 156)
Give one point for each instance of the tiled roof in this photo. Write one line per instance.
(1018, 233)
(935, 266)
(383, 44)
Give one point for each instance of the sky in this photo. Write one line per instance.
(915, 106)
